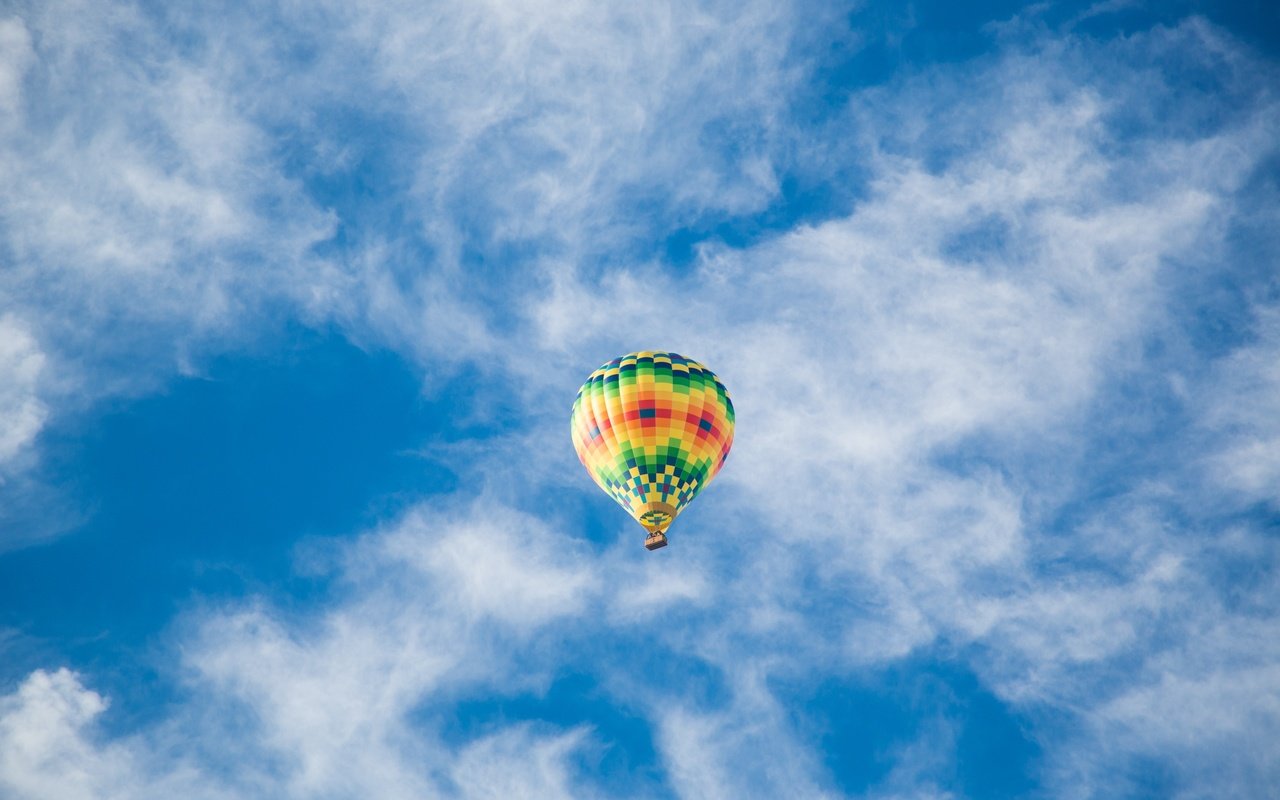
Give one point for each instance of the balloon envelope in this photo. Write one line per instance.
(652, 429)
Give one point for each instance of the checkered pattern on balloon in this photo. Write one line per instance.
(652, 429)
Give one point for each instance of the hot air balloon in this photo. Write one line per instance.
(652, 429)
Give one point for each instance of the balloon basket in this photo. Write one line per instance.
(655, 540)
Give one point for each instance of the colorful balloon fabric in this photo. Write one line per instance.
(653, 429)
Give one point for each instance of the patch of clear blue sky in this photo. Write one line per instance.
(203, 491)
(200, 493)
(863, 723)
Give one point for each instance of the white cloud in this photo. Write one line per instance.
(325, 706)
(541, 117)
(517, 764)
(489, 572)
(1243, 411)
(143, 210)
(15, 58)
(435, 606)
(22, 412)
(43, 752)
(746, 750)
(50, 749)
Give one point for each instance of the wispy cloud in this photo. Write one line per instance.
(22, 413)
(1243, 414)
(323, 705)
(143, 211)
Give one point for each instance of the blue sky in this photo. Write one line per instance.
(294, 301)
